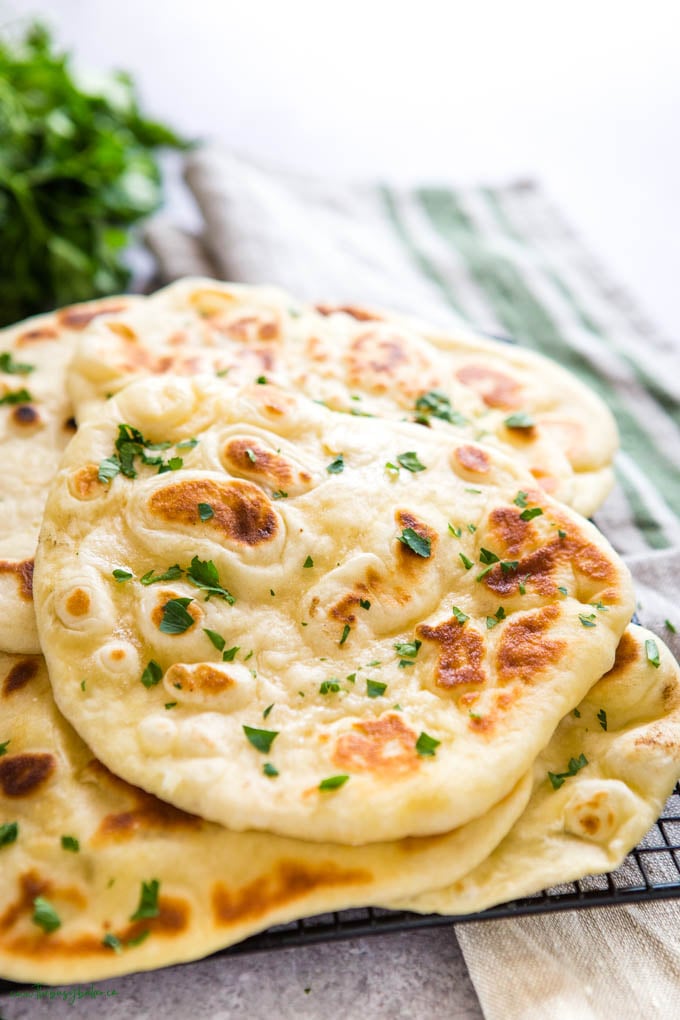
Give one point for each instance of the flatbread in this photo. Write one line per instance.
(343, 573)
(589, 824)
(364, 362)
(215, 887)
(36, 423)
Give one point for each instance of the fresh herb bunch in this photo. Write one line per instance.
(77, 168)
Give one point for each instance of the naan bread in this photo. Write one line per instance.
(85, 842)
(589, 824)
(365, 363)
(36, 423)
(342, 643)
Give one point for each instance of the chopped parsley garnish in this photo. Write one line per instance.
(374, 689)
(587, 621)
(250, 454)
(410, 461)
(364, 603)
(485, 556)
(416, 543)
(309, 562)
(228, 655)
(70, 843)
(507, 566)
(108, 469)
(270, 770)
(351, 678)
(576, 713)
(261, 379)
(279, 494)
(670, 626)
(405, 663)
(329, 686)
(602, 719)
(522, 586)
(148, 901)
(562, 590)
(174, 464)
(465, 561)
(475, 492)
(261, 740)
(472, 528)
(169, 705)
(8, 833)
(345, 634)
(336, 466)
(520, 420)
(499, 615)
(187, 444)
(521, 498)
(171, 574)
(44, 915)
(436, 404)
(12, 367)
(205, 511)
(21, 396)
(137, 940)
(460, 615)
(575, 765)
(652, 652)
(216, 639)
(530, 513)
(267, 710)
(333, 782)
(427, 745)
(600, 606)
(455, 531)
(3, 747)
(176, 619)
(562, 534)
(112, 941)
(131, 445)
(121, 575)
(203, 574)
(409, 649)
(152, 674)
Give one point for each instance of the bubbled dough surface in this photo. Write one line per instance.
(361, 361)
(518, 679)
(216, 886)
(595, 818)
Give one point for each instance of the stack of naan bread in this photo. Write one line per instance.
(322, 627)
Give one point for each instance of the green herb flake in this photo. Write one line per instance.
(484, 573)
(112, 941)
(521, 498)
(575, 765)
(485, 556)
(171, 574)
(203, 574)
(176, 619)
(82, 685)
(415, 542)
(333, 782)
(279, 494)
(267, 710)
(393, 468)
(345, 634)
(12, 367)
(465, 561)
(108, 469)
(436, 404)
(409, 649)
(261, 740)
(520, 420)
(137, 940)
(374, 689)
(472, 528)
(44, 915)
(459, 615)
(562, 591)
(602, 719)
(410, 462)
(205, 511)
(70, 843)
(148, 901)
(561, 534)
(309, 562)
(600, 606)
(121, 575)
(261, 380)
(427, 745)
(405, 663)
(364, 603)
(652, 652)
(587, 621)
(351, 678)
(475, 492)
(3, 747)
(576, 713)
(152, 675)
(522, 586)
(491, 622)
(331, 686)
(250, 454)
(174, 464)
(270, 770)
(21, 396)
(169, 705)
(530, 513)
(336, 466)
(216, 639)
(8, 833)
(229, 654)
(670, 626)
(187, 444)
(455, 531)
(508, 566)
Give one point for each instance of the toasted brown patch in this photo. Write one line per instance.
(343, 609)
(508, 529)
(23, 571)
(20, 674)
(84, 483)
(473, 458)
(242, 512)
(248, 457)
(167, 596)
(382, 361)
(495, 388)
(524, 649)
(78, 603)
(78, 316)
(289, 881)
(22, 774)
(460, 653)
(360, 314)
(250, 328)
(591, 823)
(30, 886)
(32, 336)
(570, 435)
(384, 745)
(538, 567)
(406, 519)
(203, 678)
(149, 816)
(25, 415)
(627, 652)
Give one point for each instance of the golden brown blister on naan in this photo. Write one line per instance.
(36, 423)
(628, 729)
(214, 887)
(366, 363)
(344, 567)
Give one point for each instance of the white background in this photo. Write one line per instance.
(583, 96)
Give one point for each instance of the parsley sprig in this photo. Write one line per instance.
(575, 765)
(130, 446)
